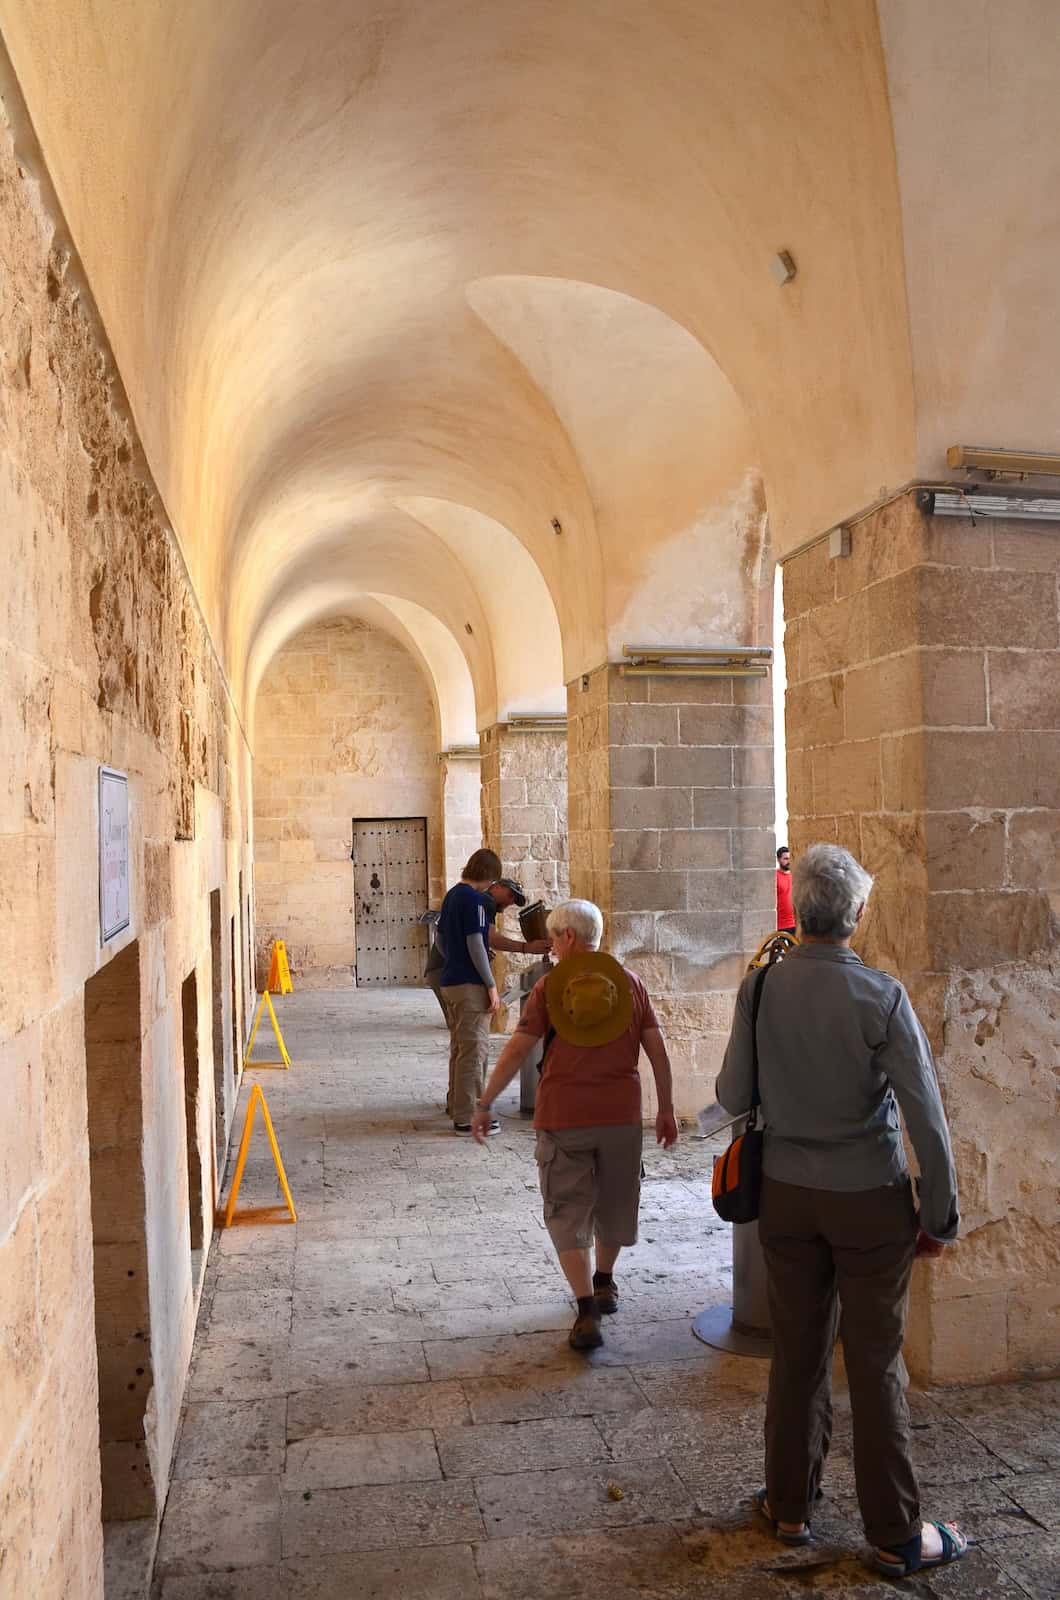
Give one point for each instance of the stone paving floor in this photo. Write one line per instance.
(382, 1401)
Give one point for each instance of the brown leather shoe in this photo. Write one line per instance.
(585, 1334)
(606, 1297)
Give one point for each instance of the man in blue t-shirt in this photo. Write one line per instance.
(465, 935)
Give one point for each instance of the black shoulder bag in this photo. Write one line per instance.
(737, 1184)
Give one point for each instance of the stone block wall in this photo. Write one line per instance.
(524, 818)
(671, 830)
(589, 787)
(104, 659)
(923, 733)
(524, 808)
(459, 779)
(344, 728)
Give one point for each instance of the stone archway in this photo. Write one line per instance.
(344, 728)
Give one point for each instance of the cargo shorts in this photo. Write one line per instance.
(590, 1184)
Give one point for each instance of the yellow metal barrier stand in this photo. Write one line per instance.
(257, 1098)
(266, 1000)
(279, 979)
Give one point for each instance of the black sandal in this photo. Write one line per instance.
(909, 1558)
(785, 1538)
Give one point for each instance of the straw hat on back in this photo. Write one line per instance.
(589, 998)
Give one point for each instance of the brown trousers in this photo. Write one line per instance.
(431, 979)
(832, 1252)
(468, 1015)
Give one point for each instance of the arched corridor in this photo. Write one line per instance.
(382, 1400)
(409, 413)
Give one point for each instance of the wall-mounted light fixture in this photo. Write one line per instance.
(461, 752)
(1019, 463)
(539, 724)
(783, 267)
(733, 661)
(997, 507)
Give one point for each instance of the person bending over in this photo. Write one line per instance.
(465, 936)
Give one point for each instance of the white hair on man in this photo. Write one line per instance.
(582, 918)
(828, 887)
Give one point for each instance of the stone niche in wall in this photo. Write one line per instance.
(345, 728)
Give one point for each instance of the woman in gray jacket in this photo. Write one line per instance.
(840, 1050)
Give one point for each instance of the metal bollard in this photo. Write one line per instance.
(744, 1328)
(530, 1071)
(529, 1074)
(750, 1289)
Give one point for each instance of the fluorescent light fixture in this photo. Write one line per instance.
(544, 723)
(678, 669)
(729, 652)
(998, 507)
(686, 661)
(461, 752)
(1020, 462)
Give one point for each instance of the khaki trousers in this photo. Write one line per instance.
(590, 1184)
(431, 980)
(829, 1251)
(468, 1015)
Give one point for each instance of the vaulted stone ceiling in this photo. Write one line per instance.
(396, 288)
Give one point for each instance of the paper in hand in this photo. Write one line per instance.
(713, 1118)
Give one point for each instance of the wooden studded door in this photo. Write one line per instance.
(390, 896)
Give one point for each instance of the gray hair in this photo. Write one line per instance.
(583, 919)
(827, 887)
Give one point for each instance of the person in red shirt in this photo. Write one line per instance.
(785, 909)
(595, 1016)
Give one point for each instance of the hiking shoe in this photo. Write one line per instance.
(606, 1297)
(585, 1334)
(465, 1127)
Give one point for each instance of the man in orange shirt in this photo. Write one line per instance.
(785, 909)
(594, 1016)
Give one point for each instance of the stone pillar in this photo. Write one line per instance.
(460, 780)
(922, 731)
(524, 818)
(671, 833)
(524, 807)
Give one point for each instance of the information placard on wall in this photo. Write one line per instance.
(113, 853)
